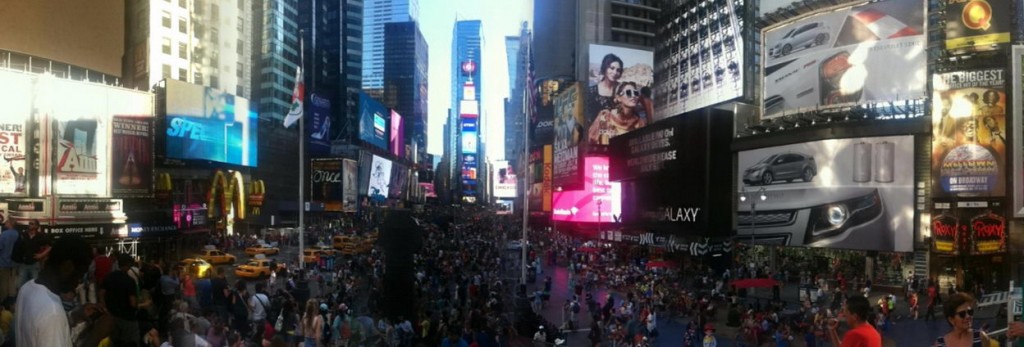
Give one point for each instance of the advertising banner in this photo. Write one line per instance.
(350, 181)
(132, 156)
(504, 180)
(868, 53)
(208, 124)
(469, 142)
(320, 125)
(536, 173)
(701, 62)
(13, 150)
(977, 25)
(326, 181)
(380, 179)
(569, 131)
(505, 207)
(1017, 63)
(547, 179)
(839, 193)
(373, 125)
(397, 135)
(599, 201)
(399, 179)
(428, 190)
(968, 227)
(81, 155)
(969, 134)
(618, 93)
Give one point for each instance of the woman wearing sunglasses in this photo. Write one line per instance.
(959, 311)
(621, 119)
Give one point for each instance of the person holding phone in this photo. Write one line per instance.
(862, 333)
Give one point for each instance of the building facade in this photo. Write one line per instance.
(376, 14)
(467, 43)
(405, 84)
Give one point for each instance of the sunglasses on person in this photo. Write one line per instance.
(963, 314)
(630, 93)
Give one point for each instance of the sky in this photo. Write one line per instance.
(499, 19)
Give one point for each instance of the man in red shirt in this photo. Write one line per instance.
(861, 333)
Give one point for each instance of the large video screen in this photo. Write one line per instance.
(208, 124)
(373, 122)
(599, 201)
(868, 53)
(504, 180)
(380, 179)
(469, 142)
(840, 193)
(619, 92)
(397, 136)
(700, 63)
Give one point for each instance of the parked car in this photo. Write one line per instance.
(781, 167)
(803, 37)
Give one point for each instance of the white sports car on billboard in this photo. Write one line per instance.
(802, 37)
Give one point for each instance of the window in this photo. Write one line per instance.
(214, 12)
(183, 3)
(166, 46)
(165, 19)
(214, 36)
(241, 70)
(183, 75)
(182, 26)
(241, 24)
(214, 82)
(239, 90)
(183, 50)
(166, 71)
(241, 4)
(240, 47)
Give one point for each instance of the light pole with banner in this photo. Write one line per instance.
(753, 210)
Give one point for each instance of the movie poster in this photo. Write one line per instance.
(12, 151)
(132, 156)
(350, 180)
(569, 132)
(969, 134)
(81, 167)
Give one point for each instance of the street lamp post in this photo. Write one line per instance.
(753, 210)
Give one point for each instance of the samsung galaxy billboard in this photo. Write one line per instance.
(867, 53)
(839, 193)
(208, 124)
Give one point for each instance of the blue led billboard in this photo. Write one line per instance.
(373, 121)
(209, 124)
(469, 142)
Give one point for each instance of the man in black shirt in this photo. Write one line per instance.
(120, 296)
(221, 294)
(35, 248)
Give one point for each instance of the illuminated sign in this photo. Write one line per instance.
(372, 124)
(380, 179)
(469, 142)
(208, 124)
(503, 180)
(599, 201)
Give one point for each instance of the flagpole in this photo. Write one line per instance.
(302, 162)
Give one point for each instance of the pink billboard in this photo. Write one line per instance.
(397, 139)
(599, 201)
(428, 190)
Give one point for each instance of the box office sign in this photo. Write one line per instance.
(83, 231)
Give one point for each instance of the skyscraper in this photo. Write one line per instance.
(278, 34)
(405, 83)
(466, 88)
(516, 49)
(377, 13)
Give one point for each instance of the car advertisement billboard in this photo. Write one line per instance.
(598, 201)
(327, 184)
(701, 62)
(867, 53)
(968, 227)
(350, 182)
(397, 135)
(977, 25)
(504, 180)
(208, 124)
(852, 193)
(320, 125)
(618, 93)
(373, 126)
(379, 179)
(569, 132)
(969, 133)
(131, 156)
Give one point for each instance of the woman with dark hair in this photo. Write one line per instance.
(857, 312)
(619, 120)
(602, 94)
(959, 311)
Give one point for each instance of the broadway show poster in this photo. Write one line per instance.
(569, 131)
(325, 181)
(969, 134)
(350, 180)
(618, 92)
(131, 156)
(968, 227)
(12, 153)
(977, 25)
(81, 155)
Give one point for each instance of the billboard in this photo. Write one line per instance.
(969, 133)
(428, 190)
(768, 6)
(619, 92)
(320, 125)
(132, 156)
(326, 183)
(968, 227)
(599, 201)
(852, 193)
(208, 124)
(399, 179)
(373, 126)
(379, 179)
(977, 25)
(504, 180)
(13, 150)
(397, 135)
(569, 132)
(350, 185)
(469, 142)
(81, 154)
(701, 61)
(867, 53)
(1017, 63)
(504, 207)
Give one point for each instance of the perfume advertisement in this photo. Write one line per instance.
(131, 156)
(968, 227)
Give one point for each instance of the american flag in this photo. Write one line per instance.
(531, 89)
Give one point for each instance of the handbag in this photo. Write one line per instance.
(279, 323)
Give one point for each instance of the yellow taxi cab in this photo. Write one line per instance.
(325, 249)
(196, 267)
(255, 268)
(262, 248)
(310, 255)
(214, 256)
(339, 242)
